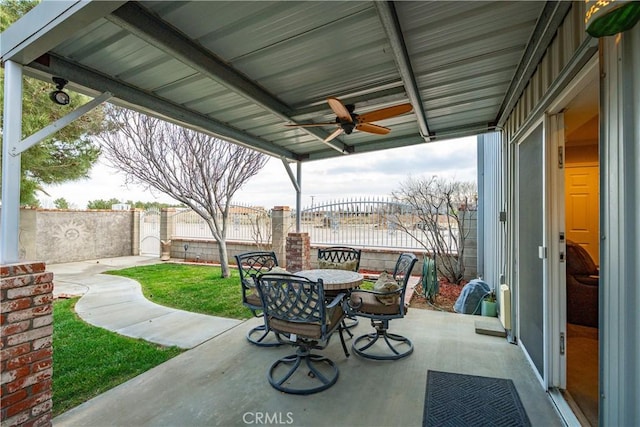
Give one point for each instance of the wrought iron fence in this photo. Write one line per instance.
(378, 222)
(246, 224)
(356, 222)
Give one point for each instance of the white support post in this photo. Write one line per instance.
(12, 148)
(12, 129)
(299, 199)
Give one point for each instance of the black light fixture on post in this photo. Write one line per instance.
(58, 96)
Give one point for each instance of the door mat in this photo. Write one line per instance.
(470, 400)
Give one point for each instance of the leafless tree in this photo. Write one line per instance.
(439, 212)
(196, 169)
(261, 228)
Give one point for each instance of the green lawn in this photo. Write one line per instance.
(88, 360)
(195, 288)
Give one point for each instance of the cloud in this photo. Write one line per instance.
(347, 177)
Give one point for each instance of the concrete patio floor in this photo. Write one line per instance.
(223, 382)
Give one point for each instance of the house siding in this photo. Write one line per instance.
(619, 199)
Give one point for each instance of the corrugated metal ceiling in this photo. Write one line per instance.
(242, 70)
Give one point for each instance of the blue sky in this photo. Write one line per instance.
(371, 174)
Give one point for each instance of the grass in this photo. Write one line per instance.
(195, 288)
(90, 360)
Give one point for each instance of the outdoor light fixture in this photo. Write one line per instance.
(609, 17)
(58, 96)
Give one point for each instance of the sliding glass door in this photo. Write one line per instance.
(529, 245)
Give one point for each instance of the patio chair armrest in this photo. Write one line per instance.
(372, 292)
(336, 300)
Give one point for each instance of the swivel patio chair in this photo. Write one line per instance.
(296, 307)
(381, 307)
(249, 264)
(340, 258)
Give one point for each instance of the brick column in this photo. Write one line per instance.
(280, 225)
(26, 351)
(298, 252)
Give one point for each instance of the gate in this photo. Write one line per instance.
(150, 232)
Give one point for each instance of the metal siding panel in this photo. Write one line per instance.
(491, 182)
(563, 47)
(235, 29)
(463, 55)
(620, 227)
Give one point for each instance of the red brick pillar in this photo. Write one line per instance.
(26, 351)
(298, 252)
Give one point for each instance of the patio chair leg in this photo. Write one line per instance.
(388, 337)
(263, 332)
(344, 346)
(346, 327)
(320, 370)
(352, 323)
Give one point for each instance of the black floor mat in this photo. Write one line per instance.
(469, 400)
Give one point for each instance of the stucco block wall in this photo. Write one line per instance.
(57, 236)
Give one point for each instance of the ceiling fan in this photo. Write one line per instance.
(347, 120)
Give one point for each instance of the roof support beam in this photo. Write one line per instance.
(548, 23)
(391, 24)
(297, 185)
(138, 99)
(290, 173)
(135, 19)
(34, 36)
(54, 127)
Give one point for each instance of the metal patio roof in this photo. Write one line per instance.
(242, 70)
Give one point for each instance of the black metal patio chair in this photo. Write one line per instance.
(250, 264)
(296, 307)
(341, 258)
(381, 307)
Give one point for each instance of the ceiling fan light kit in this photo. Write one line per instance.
(347, 120)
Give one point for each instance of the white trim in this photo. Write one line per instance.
(557, 268)
(587, 75)
(568, 416)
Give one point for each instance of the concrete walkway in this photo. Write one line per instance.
(117, 304)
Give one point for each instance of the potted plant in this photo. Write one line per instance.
(488, 307)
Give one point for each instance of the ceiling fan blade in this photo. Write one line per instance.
(334, 135)
(384, 113)
(338, 107)
(309, 125)
(368, 127)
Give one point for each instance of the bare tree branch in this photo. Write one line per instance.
(441, 210)
(199, 170)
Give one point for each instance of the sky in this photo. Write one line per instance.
(350, 176)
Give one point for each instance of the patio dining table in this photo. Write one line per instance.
(334, 280)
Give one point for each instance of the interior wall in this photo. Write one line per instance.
(581, 154)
